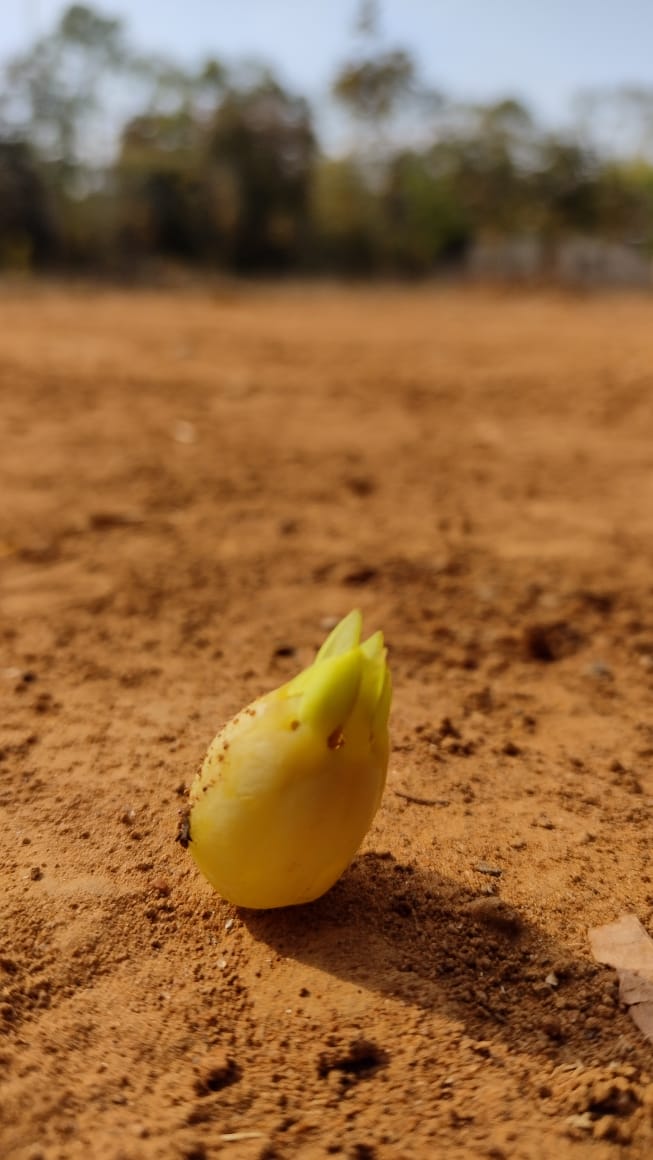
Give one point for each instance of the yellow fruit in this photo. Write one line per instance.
(290, 786)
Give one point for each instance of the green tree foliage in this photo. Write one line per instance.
(372, 89)
(425, 223)
(54, 92)
(627, 192)
(484, 159)
(261, 149)
(229, 186)
(568, 182)
(27, 231)
(160, 190)
(347, 220)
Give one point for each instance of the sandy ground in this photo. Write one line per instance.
(194, 484)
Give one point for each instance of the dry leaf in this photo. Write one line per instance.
(625, 945)
(642, 1015)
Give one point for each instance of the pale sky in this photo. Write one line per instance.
(542, 51)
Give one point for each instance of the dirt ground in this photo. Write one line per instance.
(194, 484)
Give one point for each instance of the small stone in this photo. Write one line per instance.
(285, 650)
(36, 873)
(581, 1123)
(329, 622)
(184, 432)
(552, 1027)
(511, 750)
(612, 1128)
(219, 1071)
(485, 868)
(481, 1047)
(543, 822)
(496, 913)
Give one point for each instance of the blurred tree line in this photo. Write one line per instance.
(110, 160)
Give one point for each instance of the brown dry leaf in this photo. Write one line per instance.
(625, 945)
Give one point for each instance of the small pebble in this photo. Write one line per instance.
(511, 750)
(329, 622)
(494, 912)
(544, 823)
(485, 868)
(184, 432)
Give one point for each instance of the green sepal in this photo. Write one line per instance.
(374, 670)
(382, 710)
(330, 690)
(345, 636)
(374, 648)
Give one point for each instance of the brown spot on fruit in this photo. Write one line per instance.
(336, 740)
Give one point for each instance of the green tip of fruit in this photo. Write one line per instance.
(345, 636)
(330, 691)
(344, 673)
(374, 647)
